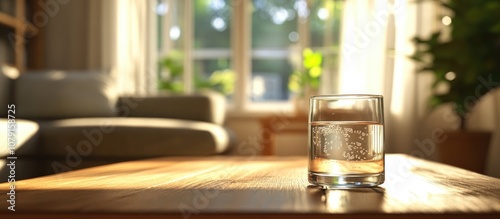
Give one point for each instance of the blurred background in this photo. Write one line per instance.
(268, 56)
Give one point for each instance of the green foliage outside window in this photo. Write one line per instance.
(174, 65)
(308, 78)
(221, 81)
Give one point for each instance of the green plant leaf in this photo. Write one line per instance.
(315, 72)
(495, 28)
(312, 60)
(471, 51)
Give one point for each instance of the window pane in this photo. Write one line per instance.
(273, 21)
(274, 31)
(212, 46)
(214, 74)
(212, 24)
(270, 80)
(325, 22)
(170, 26)
(170, 44)
(281, 30)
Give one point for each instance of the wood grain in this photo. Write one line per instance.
(241, 186)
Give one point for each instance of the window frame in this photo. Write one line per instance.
(240, 53)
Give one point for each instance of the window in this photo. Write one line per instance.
(246, 49)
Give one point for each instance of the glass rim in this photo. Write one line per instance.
(347, 96)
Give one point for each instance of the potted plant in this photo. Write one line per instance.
(468, 64)
(304, 81)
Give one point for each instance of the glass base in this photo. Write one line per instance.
(346, 181)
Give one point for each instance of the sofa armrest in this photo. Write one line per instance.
(205, 107)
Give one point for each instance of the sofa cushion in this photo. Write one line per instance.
(7, 75)
(61, 94)
(113, 138)
(203, 107)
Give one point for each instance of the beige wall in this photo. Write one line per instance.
(67, 36)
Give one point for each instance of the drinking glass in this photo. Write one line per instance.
(346, 140)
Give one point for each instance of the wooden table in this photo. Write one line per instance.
(252, 187)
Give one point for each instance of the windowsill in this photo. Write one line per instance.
(257, 110)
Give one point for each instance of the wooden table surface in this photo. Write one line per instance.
(246, 187)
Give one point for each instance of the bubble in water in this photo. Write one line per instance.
(343, 142)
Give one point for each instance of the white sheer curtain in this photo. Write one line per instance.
(364, 46)
(376, 41)
(376, 44)
(123, 35)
